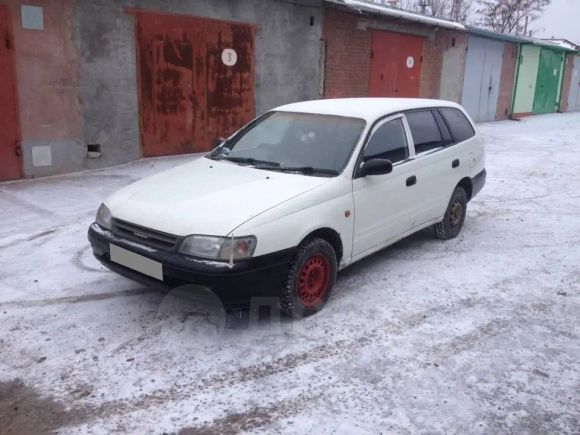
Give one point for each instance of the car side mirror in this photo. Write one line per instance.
(219, 141)
(376, 167)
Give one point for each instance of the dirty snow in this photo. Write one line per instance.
(475, 335)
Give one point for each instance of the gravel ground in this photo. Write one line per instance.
(479, 334)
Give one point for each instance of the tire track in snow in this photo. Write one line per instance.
(28, 206)
(280, 365)
(253, 418)
(31, 238)
(76, 299)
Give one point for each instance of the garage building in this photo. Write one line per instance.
(94, 84)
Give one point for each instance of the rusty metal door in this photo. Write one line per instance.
(230, 77)
(172, 84)
(395, 65)
(10, 151)
(196, 81)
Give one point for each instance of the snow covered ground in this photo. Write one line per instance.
(475, 335)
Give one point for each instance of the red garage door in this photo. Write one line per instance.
(196, 81)
(395, 65)
(10, 160)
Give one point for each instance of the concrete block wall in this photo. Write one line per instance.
(77, 78)
(443, 65)
(453, 66)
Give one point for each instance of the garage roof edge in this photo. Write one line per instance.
(362, 6)
(393, 12)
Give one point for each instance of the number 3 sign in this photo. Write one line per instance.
(229, 57)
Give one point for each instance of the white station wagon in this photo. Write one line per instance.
(296, 195)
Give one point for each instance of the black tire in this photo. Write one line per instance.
(454, 217)
(313, 268)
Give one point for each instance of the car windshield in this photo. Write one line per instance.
(294, 142)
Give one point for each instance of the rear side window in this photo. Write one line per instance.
(458, 124)
(388, 142)
(425, 131)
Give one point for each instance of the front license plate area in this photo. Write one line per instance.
(136, 262)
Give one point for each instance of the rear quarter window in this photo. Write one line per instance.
(459, 126)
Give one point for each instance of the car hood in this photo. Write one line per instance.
(206, 197)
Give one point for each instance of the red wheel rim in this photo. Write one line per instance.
(314, 277)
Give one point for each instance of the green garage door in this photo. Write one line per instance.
(549, 80)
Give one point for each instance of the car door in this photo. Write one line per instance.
(384, 204)
(433, 166)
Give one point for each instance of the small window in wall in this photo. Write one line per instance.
(388, 142)
(460, 127)
(425, 131)
(32, 17)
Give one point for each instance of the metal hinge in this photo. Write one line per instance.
(8, 41)
(18, 148)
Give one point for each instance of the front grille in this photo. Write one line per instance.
(144, 236)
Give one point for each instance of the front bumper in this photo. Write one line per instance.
(261, 276)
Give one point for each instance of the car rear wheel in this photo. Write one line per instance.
(452, 223)
(310, 279)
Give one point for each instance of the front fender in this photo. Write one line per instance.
(286, 225)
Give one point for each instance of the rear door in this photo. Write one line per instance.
(431, 168)
(444, 142)
(10, 152)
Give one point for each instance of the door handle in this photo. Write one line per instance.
(411, 180)
(455, 163)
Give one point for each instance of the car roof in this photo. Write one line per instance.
(368, 109)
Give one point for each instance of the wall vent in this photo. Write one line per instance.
(93, 150)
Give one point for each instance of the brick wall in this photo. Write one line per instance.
(348, 54)
(507, 82)
(568, 69)
(348, 51)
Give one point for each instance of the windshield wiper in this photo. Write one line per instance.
(306, 170)
(249, 161)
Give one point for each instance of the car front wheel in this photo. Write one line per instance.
(452, 223)
(310, 279)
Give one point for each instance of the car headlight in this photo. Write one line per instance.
(219, 248)
(104, 217)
